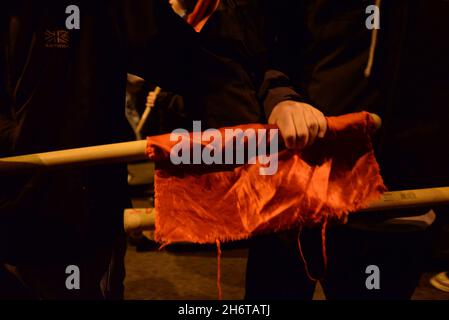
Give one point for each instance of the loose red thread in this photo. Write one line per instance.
(219, 253)
(323, 248)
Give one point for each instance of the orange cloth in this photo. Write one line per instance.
(202, 12)
(200, 204)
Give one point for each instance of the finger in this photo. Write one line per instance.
(322, 122)
(287, 128)
(302, 132)
(151, 100)
(313, 127)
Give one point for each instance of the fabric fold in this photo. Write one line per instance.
(205, 203)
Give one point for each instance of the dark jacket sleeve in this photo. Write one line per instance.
(277, 85)
(276, 88)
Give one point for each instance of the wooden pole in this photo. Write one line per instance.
(144, 219)
(410, 199)
(137, 220)
(107, 154)
(147, 112)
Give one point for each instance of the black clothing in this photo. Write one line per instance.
(325, 45)
(63, 89)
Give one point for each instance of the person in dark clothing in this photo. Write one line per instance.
(401, 74)
(62, 89)
(238, 78)
(241, 35)
(65, 88)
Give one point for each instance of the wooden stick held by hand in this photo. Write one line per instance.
(106, 154)
(147, 111)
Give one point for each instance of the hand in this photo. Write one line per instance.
(300, 123)
(151, 99)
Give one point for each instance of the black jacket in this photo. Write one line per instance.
(238, 78)
(328, 46)
(235, 76)
(65, 89)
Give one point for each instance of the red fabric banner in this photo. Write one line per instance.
(205, 204)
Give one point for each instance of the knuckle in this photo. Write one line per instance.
(313, 126)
